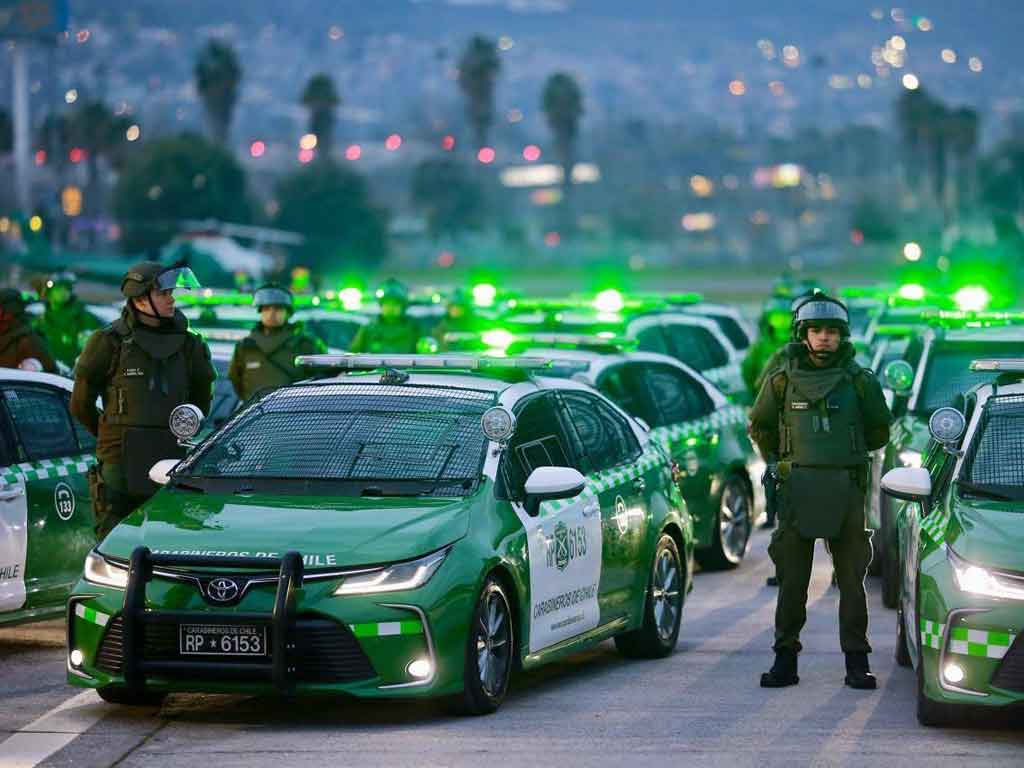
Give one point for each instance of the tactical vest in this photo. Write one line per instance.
(822, 422)
(395, 338)
(263, 369)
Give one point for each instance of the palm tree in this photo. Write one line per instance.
(218, 75)
(321, 98)
(478, 71)
(95, 129)
(562, 102)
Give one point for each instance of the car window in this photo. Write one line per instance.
(41, 422)
(86, 440)
(8, 451)
(733, 330)
(652, 340)
(696, 346)
(948, 371)
(539, 441)
(678, 396)
(605, 435)
(624, 386)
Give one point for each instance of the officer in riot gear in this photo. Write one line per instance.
(459, 317)
(265, 359)
(142, 366)
(65, 319)
(817, 416)
(20, 346)
(394, 331)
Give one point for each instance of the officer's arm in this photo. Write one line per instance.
(236, 370)
(876, 414)
(90, 372)
(748, 369)
(764, 420)
(203, 376)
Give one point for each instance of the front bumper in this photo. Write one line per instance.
(357, 645)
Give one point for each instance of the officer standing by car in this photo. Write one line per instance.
(65, 318)
(818, 415)
(142, 365)
(265, 359)
(394, 331)
(20, 345)
(459, 317)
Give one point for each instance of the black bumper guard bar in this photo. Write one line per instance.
(282, 621)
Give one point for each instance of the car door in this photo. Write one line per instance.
(564, 547)
(13, 524)
(53, 457)
(610, 452)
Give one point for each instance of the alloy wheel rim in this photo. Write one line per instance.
(665, 594)
(734, 523)
(493, 643)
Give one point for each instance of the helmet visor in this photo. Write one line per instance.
(176, 277)
(823, 312)
(272, 297)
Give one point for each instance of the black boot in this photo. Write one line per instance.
(858, 672)
(783, 671)
(772, 581)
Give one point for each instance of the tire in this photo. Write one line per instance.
(114, 694)
(663, 607)
(902, 651)
(490, 653)
(733, 524)
(889, 566)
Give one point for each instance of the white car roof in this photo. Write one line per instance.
(32, 377)
(327, 314)
(989, 333)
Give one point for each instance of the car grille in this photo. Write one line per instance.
(1010, 673)
(325, 652)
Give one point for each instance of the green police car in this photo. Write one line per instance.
(399, 526)
(933, 372)
(46, 519)
(961, 542)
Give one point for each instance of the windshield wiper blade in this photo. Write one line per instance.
(186, 486)
(985, 491)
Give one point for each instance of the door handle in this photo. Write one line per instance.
(10, 494)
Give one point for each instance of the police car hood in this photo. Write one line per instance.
(989, 533)
(336, 531)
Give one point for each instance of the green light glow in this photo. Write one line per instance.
(606, 334)
(497, 339)
(484, 294)
(972, 298)
(351, 298)
(609, 301)
(912, 292)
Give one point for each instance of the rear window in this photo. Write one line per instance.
(733, 331)
(995, 459)
(948, 371)
(367, 439)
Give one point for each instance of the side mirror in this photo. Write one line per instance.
(185, 423)
(549, 483)
(899, 377)
(908, 484)
(160, 472)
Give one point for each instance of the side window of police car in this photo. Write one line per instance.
(677, 396)
(696, 346)
(652, 340)
(624, 386)
(41, 422)
(538, 442)
(606, 438)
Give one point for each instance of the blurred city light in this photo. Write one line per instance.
(497, 338)
(35, 223)
(40, 157)
(505, 43)
(351, 298)
(972, 298)
(445, 259)
(910, 82)
(911, 292)
(550, 196)
(547, 175)
(484, 294)
(335, 33)
(698, 222)
(76, 155)
(257, 149)
(71, 96)
(702, 186)
(737, 88)
(531, 153)
(486, 155)
(974, 63)
(306, 155)
(71, 200)
(308, 141)
(924, 24)
(791, 56)
(448, 143)
(609, 300)
(133, 133)
(912, 252)
(949, 55)
(392, 142)
(897, 43)
(353, 152)
(552, 239)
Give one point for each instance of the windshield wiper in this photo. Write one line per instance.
(984, 491)
(414, 487)
(175, 483)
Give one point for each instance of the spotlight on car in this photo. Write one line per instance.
(421, 669)
(954, 673)
(77, 658)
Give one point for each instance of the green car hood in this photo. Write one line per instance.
(989, 533)
(327, 531)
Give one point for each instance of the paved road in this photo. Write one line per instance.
(701, 706)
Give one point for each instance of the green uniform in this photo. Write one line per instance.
(395, 336)
(820, 423)
(265, 359)
(19, 342)
(141, 374)
(763, 355)
(62, 328)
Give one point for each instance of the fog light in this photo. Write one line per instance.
(421, 669)
(77, 658)
(954, 673)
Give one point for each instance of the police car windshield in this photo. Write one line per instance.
(948, 371)
(352, 439)
(993, 468)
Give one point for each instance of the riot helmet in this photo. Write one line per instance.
(148, 276)
(822, 310)
(271, 295)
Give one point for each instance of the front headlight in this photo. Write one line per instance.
(910, 458)
(976, 580)
(101, 571)
(393, 578)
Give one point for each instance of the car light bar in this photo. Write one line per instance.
(999, 366)
(600, 339)
(222, 334)
(970, 316)
(359, 362)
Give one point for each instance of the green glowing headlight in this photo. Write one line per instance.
(609, 301)
(351, 298)
(972, 298)
(497, 339)
(912, 292)
(484, 294)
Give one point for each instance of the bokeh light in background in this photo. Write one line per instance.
(393, 142)
(531, 153)
(353, 152)
(486, 155)
(257, 148)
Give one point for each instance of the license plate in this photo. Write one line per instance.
(222, 640)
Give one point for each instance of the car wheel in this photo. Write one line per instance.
(733, 523)
(889, 565)
(489, 653)
(115, 694)
(663, 607)
(902, 651)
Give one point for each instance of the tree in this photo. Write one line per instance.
(321, 99)
(448, 196)
(562, 102)
(94, 128)
(6, 132)
(330, 206)
(184, 177)
(478, 71)
(218, 75)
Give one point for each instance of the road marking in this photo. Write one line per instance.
(52, 732)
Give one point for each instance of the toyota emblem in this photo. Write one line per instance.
(222, 590)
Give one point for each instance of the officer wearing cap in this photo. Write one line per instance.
(394, 331)
(20, 346)
(265, 359)
(65, 318)
(142, 366)
(818, 414)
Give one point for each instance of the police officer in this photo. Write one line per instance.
(142, 365)
(265, 359)
(459, 317)
(20, 345)
(65, 318)
(818, 415)
(774, 334)
(394, 331)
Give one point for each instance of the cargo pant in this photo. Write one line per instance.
(111, 501)
(793, 556)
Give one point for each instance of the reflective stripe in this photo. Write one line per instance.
(48, 468)
(91, 615)
(931, 634)
(387, 628)
(980, 643)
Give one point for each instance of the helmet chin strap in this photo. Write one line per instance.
(155, 315)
